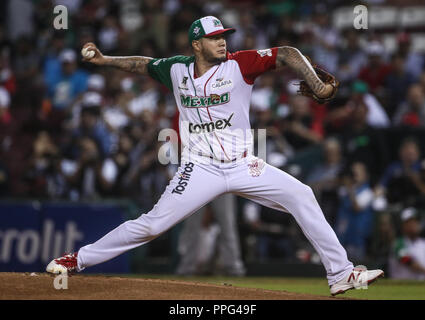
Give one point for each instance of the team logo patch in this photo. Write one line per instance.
(265, 52)
(217, 23)
(183, 85)
(184, 178)
(256, 167)
(196, 31)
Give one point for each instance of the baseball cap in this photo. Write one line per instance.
(96, 82)
(408, 213)
(91, 99)
(375, 48)
(207, 27)
(67, 55)
(359, 86)
(4, 98)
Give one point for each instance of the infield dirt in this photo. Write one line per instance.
(39, 286)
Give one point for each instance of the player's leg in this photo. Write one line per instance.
(191, 188)
(276, 189)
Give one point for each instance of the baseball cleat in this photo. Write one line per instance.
(359, 278)
(65, 264)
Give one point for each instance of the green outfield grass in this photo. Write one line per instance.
(383, 289)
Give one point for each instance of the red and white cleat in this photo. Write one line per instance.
(359, 278)
(65, 264)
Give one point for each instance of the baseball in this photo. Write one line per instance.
(88, 54)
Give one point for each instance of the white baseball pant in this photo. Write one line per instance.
(197, 183)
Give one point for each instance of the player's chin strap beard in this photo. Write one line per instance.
(209, 57)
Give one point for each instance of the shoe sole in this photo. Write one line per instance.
(369, 282)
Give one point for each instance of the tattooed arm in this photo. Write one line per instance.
(293, 58)
(135, 64)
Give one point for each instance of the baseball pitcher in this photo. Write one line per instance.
(212, 90)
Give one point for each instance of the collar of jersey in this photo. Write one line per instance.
(205, 76)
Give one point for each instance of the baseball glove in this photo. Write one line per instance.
(326, 77)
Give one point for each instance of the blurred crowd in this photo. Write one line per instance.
(73, 131)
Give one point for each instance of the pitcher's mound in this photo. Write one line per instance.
(40, 286)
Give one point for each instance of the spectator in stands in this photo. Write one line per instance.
(298, 125)
(44, 175)
(397, 183)
(5, 116)
(355, 214)
(71, 81)
(382, 240)
(325, 40)
(413, 61)
(94, 96)
(376, 115)
(339, 116)
(92, 125)
(408, 259)
(351, 57)
(324, 178)
(363, 143)
(397, 83)
(248, 28)
(422, 81)
(411, 113)
(115, 112)
(108, 34)
(418, 179)
(4, 180)
(5, 121)
(7, 76)
(271, 236)
(375, 72)
(51, 63)
(210, 229)
(146, 99)
(122, 161)
(87, 176)
(146, 176)
(25, 63)
(263, 93)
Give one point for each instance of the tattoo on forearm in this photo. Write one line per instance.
(131, 64)
(293, 58)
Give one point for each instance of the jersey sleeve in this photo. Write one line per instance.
(159, 69)
(253, 63)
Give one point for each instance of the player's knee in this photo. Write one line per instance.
(143, 228)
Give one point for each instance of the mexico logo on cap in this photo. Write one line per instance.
(217, 23)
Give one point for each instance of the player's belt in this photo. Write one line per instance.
(233, 160)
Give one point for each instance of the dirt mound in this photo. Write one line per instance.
(40, 286)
